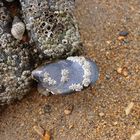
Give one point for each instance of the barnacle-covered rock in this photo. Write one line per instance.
(4, 19)
(66, 76)
(15, 62)
(54, 31)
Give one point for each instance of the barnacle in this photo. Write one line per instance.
(63, 5)
(64, 75)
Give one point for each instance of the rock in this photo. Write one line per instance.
(119, 70)
(122, 71)
(125, 72)
(66, 76)
(53, 30)
(15, 62)
(67, 112)
(46, 136)
(121, 38)
(71, 126)
(101, 114)
(123, 33)
(47, 109)
(115, 123)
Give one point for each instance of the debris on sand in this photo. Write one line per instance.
(101, 114)
(122, 71)
(129, 108)
(39, 130)
(68, 110)
(119, 70)
(46, 136)
(123, 33)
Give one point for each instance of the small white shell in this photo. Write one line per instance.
(18, 28)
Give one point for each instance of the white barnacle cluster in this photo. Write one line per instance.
(87, 74)
(64, 75)
(65, 5)
(86, 68)
(47, 79)
(76, 87)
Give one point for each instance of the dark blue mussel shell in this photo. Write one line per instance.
(74, 76)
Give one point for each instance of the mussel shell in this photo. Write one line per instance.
(76, 73)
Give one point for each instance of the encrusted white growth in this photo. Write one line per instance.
(78, 59)
(76, 87)
(38, 72)
(48, 79)
(87, 74)
(86, 67)
(65, 75)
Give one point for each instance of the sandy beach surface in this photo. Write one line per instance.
(110, 110)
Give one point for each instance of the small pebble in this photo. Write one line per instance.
(39, 130)
(71, 126)
(107, 77)
(136, 136)
(122, 71)
(123, 33)
(47, 109)
(101, 114)
(119, 70)
(46, 136)
(115, 123)
(121, 38)
(67, 112)
(108, 42)
(125, 72)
